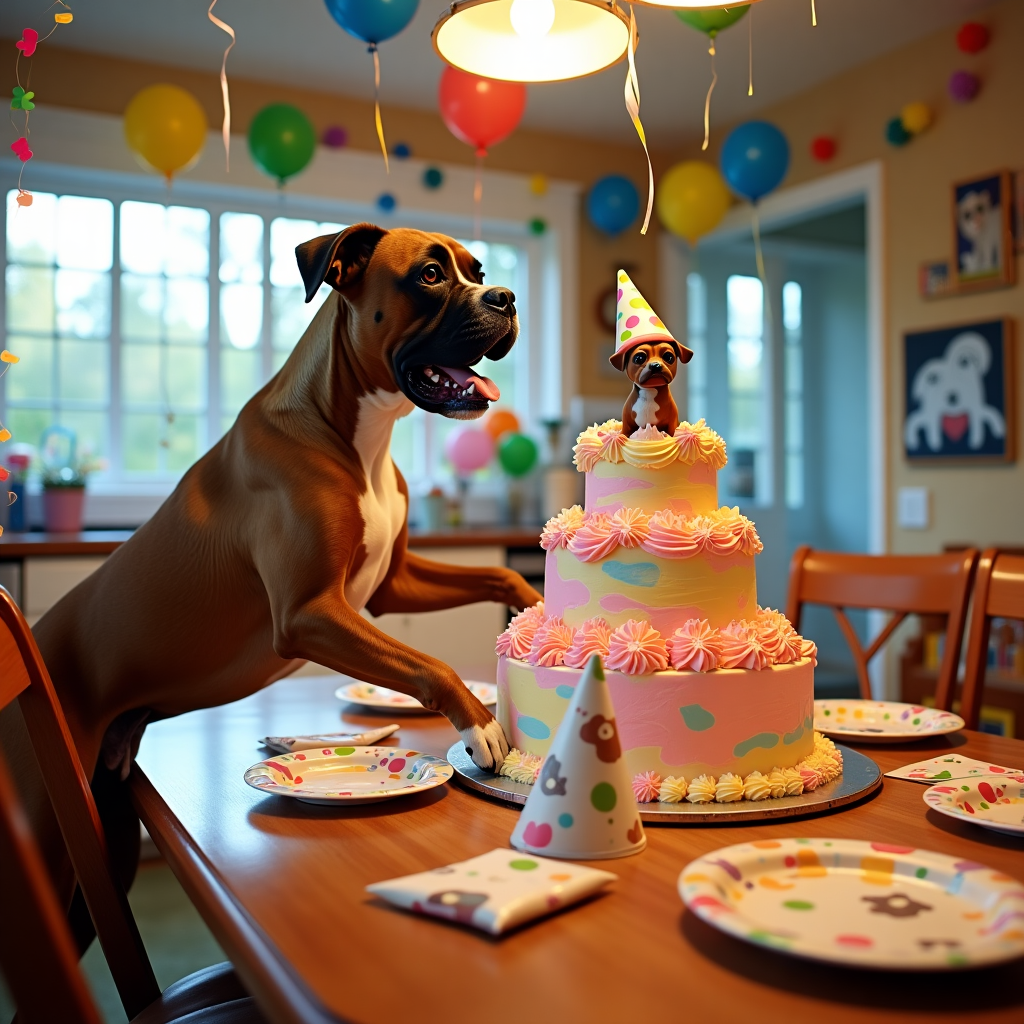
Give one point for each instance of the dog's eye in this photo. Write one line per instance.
(669, 358)
(431, 274)
(640, 357)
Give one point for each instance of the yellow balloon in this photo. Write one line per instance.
(915, 117)
(165, 127)
(691, 199)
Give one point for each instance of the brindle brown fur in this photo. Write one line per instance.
(656, 369)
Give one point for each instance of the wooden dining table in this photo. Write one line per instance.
(282, 886)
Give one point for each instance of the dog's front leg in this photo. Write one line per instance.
(329, 632)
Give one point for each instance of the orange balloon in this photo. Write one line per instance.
(501, 421)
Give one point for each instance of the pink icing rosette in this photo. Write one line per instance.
(591, 638)
(561, 529)
(629, 527)
(809, 778)
(671, 535)
(646, 787)
(517, 639)
(594, 539)
(612, 443)
(695, 646)
(587, 450)
(809, 649)
(636, 649)
(777, 636)
(550, 642)
(741, 647)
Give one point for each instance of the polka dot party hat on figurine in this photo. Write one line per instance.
(636, 323)
(582, 806)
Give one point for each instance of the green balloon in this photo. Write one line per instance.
(282, 140)
(711, 22)
(517, 454)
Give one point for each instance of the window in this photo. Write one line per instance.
(793, 379)
(745, 351)
(697, 339)
(146, 326)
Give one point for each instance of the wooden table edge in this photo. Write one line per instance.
(275, 987)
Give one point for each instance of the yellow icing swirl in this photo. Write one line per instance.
(794, 784)
(729, 789)
(701, 790)
(777, 783)
(653, 454)
(756, 787)
(673, 790)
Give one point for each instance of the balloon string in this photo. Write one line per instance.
(759, 258)
(750, 53)
(707, 99)
(632, 94)
(478, 195)
(226, 126)
(814, 16)
(376, 106)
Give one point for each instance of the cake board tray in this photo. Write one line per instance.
(860, 777)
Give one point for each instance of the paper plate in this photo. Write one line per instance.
(362, 775)
(863, 904)
(881, 721)
(370, 696)
(994, 801)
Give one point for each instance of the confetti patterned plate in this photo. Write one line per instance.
(863, 904)
(362, 775)
(881, 721)
(370, 696)
(995, 802)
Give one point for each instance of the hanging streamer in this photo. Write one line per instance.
(632, 94)
(750, 52)
(226, 126)
(814, 16)
(478, 195)
(707, 99)
(376, 105)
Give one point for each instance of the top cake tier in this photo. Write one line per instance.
(619, 469)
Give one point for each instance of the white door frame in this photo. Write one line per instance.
(834, 191)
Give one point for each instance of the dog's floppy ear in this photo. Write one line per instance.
(340, 259)
(969, 347)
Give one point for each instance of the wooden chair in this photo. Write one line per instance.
(901, 584)
(37, 952)
(998, 593)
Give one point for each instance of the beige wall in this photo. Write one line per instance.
(983, 505)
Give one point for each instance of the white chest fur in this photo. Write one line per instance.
(382, 506)
(645, 408)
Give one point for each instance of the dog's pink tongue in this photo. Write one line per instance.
(464, 377)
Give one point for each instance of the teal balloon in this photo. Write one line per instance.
(711, 22)
(282, 140)
(517, 454)
(372, 21)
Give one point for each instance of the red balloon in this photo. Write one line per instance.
(480, 111)
(823, 148)
(972, 37)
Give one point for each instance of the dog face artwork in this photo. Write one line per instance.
(982, 214)
(952, 411)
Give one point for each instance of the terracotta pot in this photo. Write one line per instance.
(63, 508)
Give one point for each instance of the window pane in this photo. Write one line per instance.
(83, 370)
(184, 442)
(239, 378)
(188, 242)
(143, 237)
(794, 424)
(187, 314)
(90, 428)
(794, 370)
(27, 425)
(32, 231)
(292, 314)
(241, 315)
(83, 303)
(142, 303)
(792, 314)
(30, 299)
(85, 233)
(696, 339)
(795, 481)
(285, 234)
(745, 298)
(140, 374)
(140, 442)
(241, 247)
(33, 377)
(186, 378)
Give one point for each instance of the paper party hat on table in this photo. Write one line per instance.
(582, 806)
(636, 323)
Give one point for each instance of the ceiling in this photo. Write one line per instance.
(296, 42)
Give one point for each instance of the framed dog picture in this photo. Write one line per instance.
(960, 393)
(983, 246)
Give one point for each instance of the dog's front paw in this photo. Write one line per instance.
(487, 745)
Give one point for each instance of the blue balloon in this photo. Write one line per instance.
(373, 21)
(755, 158)
(613, 204)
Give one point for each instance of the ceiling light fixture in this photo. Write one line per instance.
(532, 40)
(694, 5)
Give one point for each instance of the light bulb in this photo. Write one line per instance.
(532, 18)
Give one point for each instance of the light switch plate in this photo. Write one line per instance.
(912, 508)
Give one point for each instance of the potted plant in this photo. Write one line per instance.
(64, 476)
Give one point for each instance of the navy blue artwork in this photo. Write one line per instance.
(957, 401)
(980, 231)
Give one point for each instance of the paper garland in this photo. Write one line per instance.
(226, 125)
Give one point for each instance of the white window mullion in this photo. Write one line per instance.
(114, 437)
(213, 413)
(266, 350)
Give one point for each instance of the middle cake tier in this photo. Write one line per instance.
(664, 568)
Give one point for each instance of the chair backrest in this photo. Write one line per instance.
(901, 584)
(998, 593)
(23, 676)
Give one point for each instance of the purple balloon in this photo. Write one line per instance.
(334, 137)
(469, 449)
(963, 86)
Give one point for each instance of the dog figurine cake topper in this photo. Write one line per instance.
(650, 357)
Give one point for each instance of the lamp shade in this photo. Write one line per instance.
(694, 5)
(532, 40)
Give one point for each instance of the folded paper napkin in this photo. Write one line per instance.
(494, 892)
(949, 766)
(289, 744)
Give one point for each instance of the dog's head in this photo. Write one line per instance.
(419, 316)
(651, 364)
(972, 211)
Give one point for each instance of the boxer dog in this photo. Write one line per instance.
(651, 366)
(267, 550)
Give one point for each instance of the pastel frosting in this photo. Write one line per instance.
(649, 448)
(590, 638)
(550, 642)
(673, 790)
(741, 647)
(517, 640)
(561, 529)
(646, 787)
(695, 646)
(636, 649)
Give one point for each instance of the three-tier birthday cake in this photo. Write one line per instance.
(713, 694)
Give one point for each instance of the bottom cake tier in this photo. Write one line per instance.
(675, 723)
